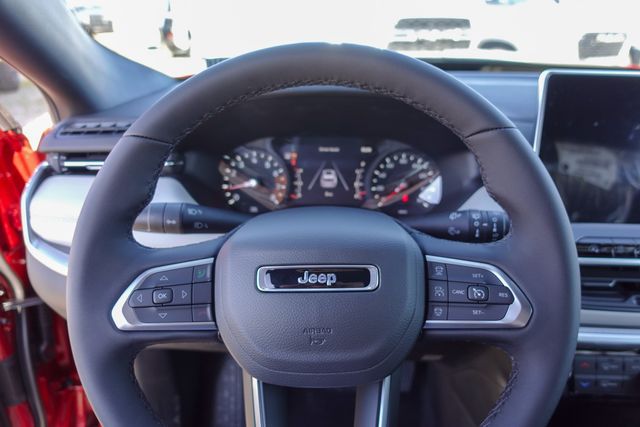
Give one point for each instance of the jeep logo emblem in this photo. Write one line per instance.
(329, 278)
(318, 278)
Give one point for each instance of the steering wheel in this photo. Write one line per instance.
(324, 296)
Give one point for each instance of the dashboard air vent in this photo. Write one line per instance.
(92, 162)
(76, 162)
(94, 128)
(610, 287)
(599, 247)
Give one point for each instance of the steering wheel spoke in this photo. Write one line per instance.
(376, 403)
(264, 404)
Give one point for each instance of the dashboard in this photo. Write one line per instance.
(380, 174)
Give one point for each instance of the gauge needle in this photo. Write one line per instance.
(399, 188)
(252, 187)
(251, 183)
(395, 191)
(402, 189)
(402, 185)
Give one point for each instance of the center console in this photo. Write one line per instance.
(588, 137)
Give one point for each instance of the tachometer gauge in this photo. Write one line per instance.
(254, 180)
(404, 182)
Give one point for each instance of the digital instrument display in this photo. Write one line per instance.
(274, 173)
(590, 143)
(326, 171)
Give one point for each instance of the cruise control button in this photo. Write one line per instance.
(181, 295)
(181, 276)
(609, 365)
(202, 273)
(458, 273)
(477, 293)
(437, 270)
(479, 312)
(437, 312)
(163, 314)
(141, 298)
(202, 313)
(500, 295)
(437, 291)
(458, 292)
(202, 293)
(162, 296)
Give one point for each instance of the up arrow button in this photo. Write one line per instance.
(178, 276)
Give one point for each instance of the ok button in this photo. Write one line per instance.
(162, 296)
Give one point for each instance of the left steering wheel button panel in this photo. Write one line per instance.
(179, 276)
(168, 298)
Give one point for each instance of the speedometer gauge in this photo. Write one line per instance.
(253, 180)
(404, 182)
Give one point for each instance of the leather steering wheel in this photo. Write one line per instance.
(356, 337)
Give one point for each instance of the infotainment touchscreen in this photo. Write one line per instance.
(589, 141)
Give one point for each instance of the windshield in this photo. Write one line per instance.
(181, 37)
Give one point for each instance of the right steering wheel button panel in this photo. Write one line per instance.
(465, 293)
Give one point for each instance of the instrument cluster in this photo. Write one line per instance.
(381, 174)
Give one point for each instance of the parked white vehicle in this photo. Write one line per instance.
(544, 31)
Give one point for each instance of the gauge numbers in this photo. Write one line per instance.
(253, 180)
(404, 182)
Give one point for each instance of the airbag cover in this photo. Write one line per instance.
(320, 338)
